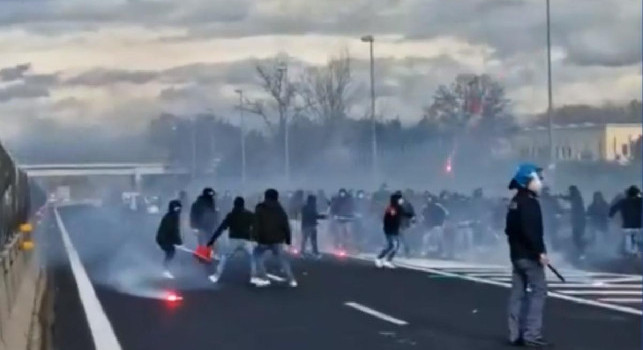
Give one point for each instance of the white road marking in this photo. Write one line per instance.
(101, 329)
(602, 292)
(276, 278)
(593, 285)
(625, 309)
(623, 279)
(375, 313)
(622, 300)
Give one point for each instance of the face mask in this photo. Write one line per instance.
(360, 196)
(177, 209)
(342, 195)
(400, 201)
(535, 185)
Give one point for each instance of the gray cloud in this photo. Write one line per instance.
(100, 77)
(14, 73)
(597, 33)
(22, 91)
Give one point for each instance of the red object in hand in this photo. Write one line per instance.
(203, 253)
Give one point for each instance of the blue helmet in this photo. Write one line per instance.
(523, 175)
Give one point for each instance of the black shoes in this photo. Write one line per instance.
(537, 343)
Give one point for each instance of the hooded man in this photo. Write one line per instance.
(309, 217)
(271, 232)
(392, 222)
(239, 223)
(168, 234)
(204, 217)
(524, 229)
(631, 211)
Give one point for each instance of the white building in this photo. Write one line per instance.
(588, 141)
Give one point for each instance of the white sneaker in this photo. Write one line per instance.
(378, 263)
(213, 278)
(389, 265)
(255, 280)
(167, 274)
(259, 282)
(293, 284)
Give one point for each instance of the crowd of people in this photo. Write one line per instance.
(446, 225)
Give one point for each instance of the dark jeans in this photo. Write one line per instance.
(169, 256)
(278, 251)
(526, 308)
(309, 234)
(392, 245)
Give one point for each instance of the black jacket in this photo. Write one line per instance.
(434, 215)
(631, 211)
(598, 214)
(310, 215)
(203, 214)
(168, 233)
(524, 227)
(393, 216)
(271, 223)
(238, 222)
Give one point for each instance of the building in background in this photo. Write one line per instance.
(588, 142)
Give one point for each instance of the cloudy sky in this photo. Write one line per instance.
(119, 62)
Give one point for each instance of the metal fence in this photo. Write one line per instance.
(14, 197)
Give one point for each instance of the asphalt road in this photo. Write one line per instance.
(443, 313)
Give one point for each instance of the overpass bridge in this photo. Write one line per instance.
(100, 169)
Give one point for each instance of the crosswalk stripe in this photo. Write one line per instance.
(622, 300)
(601, 292)
(593, 285)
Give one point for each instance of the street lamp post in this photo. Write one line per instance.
(282, 109)
(371, 40)
(243, 139)
(550, 110)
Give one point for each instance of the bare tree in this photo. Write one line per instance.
(274, 81)
(327, 91)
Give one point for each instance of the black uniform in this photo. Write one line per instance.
(524, 227)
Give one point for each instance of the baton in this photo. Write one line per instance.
(553, 269)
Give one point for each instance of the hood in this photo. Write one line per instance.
(311, 201)
(239, 203)
(174, 206)
(633, 191)
(271, 195)
(393, 201)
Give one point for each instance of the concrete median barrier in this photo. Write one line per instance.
(22, 284)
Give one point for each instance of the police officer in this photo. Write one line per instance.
(524, 229)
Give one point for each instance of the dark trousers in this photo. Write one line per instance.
(526, 308)
(309, 234)
(392, 245)
(169, 256)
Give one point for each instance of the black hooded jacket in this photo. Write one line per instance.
(203, 214)
(393, 216)
(631, 211)
(271, 221)
(168, 234)
(309, 213)
(524, 227)
(238, 222)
